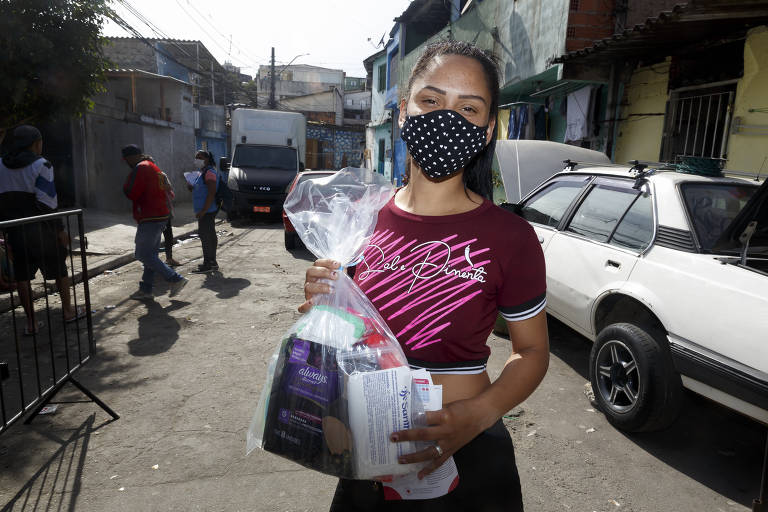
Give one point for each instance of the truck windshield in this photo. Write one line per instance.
(265, 157)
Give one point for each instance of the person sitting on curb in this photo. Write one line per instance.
(144, 186)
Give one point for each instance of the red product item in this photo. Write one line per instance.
(386, 358)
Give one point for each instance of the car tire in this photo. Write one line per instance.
(290, 240)
(633, 379)
(232, 215)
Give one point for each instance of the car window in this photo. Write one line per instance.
(713, 206)
(636, 228)
(601, 210)
(549, 204)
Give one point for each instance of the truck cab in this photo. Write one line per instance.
(267, 153)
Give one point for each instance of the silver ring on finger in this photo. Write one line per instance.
(439, 451)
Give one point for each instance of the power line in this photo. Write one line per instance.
(191, 5)
(120, 21)
(214, 39)
(154, 28)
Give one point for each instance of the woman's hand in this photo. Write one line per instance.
(321, 269)
(452, 427)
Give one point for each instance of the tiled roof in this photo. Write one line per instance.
(685, 24)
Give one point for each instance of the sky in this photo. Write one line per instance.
(336, 34)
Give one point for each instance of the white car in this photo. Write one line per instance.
(668, 274)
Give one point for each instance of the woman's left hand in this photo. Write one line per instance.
(452, 427)
(199, 214)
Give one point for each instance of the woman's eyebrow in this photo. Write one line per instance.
(433, 88)
(472, 97)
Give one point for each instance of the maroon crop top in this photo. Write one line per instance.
(439, 282)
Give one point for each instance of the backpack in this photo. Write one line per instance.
(224, 198)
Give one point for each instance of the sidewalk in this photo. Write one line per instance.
(110, 236)
(111, 243)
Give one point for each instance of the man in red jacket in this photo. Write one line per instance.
(145, 186)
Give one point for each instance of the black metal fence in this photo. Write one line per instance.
(45, 313)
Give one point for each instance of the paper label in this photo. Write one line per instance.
(379, 404)
(441, 481)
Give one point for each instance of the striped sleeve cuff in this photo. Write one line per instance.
(524, 311)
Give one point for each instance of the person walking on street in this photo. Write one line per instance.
(145, 187)
(27, 190)
(204, 203)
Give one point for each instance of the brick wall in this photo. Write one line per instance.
(589, 21)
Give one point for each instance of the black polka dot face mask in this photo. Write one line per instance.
(442, 142)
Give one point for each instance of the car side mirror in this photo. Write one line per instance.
(224, 163)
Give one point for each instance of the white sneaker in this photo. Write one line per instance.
(141, 295)
(176, 286)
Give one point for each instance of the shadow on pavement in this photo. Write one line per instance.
(714, 446)
(57, 484)
(158, 330)
(225, 287)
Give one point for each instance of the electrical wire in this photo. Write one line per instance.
(238, 47)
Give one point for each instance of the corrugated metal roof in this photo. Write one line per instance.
(670, 31)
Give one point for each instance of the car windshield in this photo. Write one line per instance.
(712, 207)
(264, 157)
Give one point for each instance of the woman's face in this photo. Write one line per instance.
(452, 82)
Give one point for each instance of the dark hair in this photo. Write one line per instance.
(477, 173)
(208, 155)
(131, 150)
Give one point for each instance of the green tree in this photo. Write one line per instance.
(51, 60)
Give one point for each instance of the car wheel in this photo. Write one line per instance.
(290, 240)
(232, 215)
(633, 379)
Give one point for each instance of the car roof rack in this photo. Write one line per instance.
(570, 165)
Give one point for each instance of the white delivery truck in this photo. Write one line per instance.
(268, 149)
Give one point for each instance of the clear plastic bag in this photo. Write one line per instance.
(339, 384)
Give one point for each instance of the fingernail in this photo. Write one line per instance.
(336, 264)
(334, 274)
(393, 438)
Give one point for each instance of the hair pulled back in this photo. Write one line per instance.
(477, 173)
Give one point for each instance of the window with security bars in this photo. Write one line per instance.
(697, 122)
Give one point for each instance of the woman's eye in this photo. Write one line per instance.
(429, 101)
(468, 109)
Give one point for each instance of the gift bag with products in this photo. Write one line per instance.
(338, 383)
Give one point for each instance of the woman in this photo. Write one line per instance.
(204, 204)
(459, 260)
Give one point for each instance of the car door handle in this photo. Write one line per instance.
(614, 264)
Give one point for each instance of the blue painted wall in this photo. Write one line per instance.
(346, 145)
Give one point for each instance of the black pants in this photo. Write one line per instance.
(206, 229)
(168, 237)
(488, 482)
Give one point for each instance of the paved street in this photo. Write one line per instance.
(184, 375)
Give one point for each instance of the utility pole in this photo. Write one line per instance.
(272, 81)
(213, 91)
